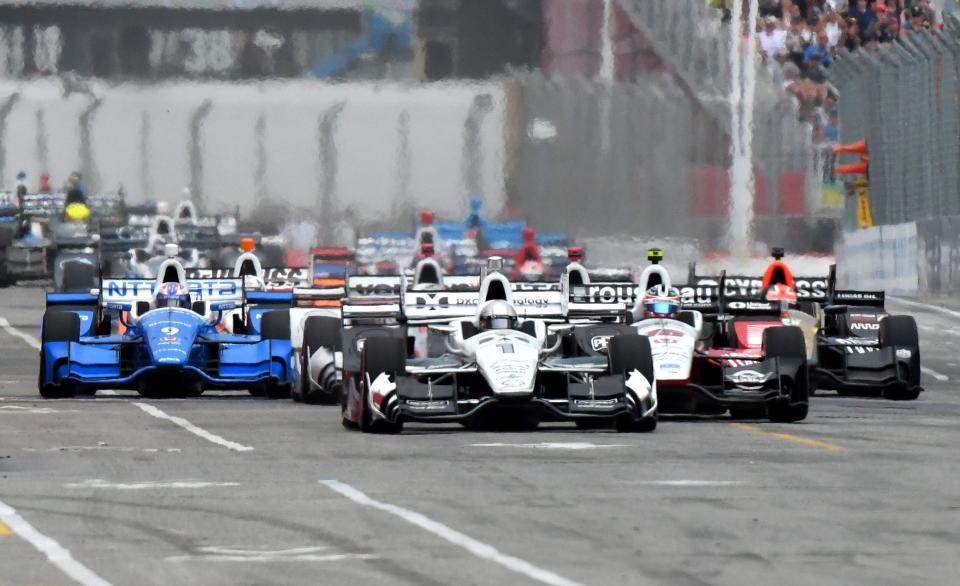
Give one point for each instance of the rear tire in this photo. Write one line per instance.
(900, 331)
(627, 353)
(787, 342)
(58, 326)
(380, 355)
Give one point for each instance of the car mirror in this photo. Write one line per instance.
(119, 306)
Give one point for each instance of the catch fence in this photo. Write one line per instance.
(904, 100)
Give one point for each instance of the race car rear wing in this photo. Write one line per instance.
(275, 278)
(851, 297)
(617, 298)
(130, 291)
(749, 286)
(394, 298)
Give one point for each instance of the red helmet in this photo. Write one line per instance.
(426, 249)
(575, 253)
(426, 218)
(529, 234)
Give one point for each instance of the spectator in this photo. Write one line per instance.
(772, 39)
(819, 53)
(44, 186)
(853, 40)
(770, 8)
(864, 16)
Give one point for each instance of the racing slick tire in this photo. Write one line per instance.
(319, 332)
(58, 326)
(626, 353)
(78, 276)
(274, 325)
(380, 354)
(749, 412)
(787, 342)
(901, 331)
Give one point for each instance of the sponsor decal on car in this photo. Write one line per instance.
(600, 343)
(749, 377)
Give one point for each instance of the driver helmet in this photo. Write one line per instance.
(661, 302)
(498, 315)
(172, 295)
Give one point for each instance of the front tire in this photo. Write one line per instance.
(787, 343)
(380, 355)
(57, 326)
(320, 332)
(274, 325)
(628, 353)
(900, 331)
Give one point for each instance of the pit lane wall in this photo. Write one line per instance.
(914, 258)
(370, 149)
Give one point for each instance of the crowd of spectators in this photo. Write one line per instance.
(801, 38)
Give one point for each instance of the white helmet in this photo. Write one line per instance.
(498, 315)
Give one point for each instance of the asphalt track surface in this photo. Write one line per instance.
(234, 490)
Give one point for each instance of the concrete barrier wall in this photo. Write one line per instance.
(888, 258)
(378, 149)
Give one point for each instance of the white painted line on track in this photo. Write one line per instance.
(940, 377)
(928, 306)
(553, 445)
(195, 430)
(150, 484)
(297, 554)
(690, 483)
(477, 548)
(56, 553)
(30, 340)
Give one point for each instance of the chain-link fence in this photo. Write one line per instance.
(650, 154)
(904, 99)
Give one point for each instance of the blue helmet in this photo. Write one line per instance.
(172, 295)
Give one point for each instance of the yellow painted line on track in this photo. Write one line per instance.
(790, 437)
(4, 530)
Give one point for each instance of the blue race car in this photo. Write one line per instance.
(164, 337)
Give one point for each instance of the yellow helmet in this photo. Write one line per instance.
(77, 212)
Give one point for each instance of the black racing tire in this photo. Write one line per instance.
(60, 326)
(748, 412)
(593, 423)
(788, 342)
(275, 325)
(380, 354)
(900, 331)
(319, 332)
(78, 277)
(52, 391)
(626, 353)
(626, 423)
(273, 390)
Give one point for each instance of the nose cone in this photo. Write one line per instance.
(170, 335)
